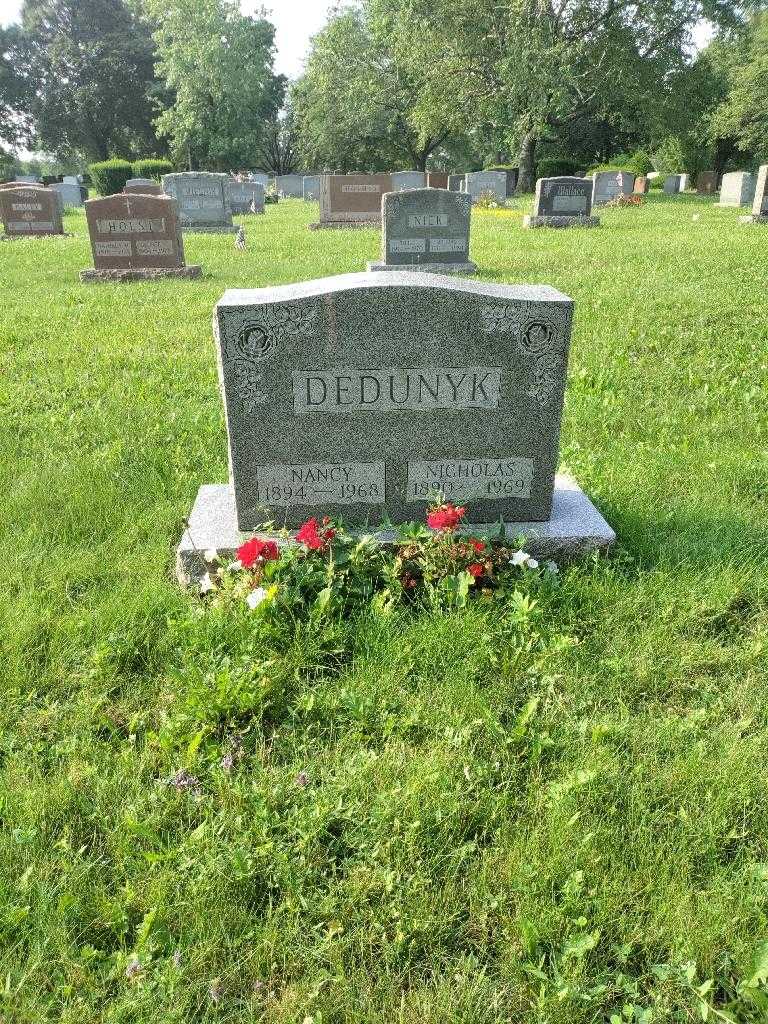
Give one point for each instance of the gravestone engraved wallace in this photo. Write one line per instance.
(402, 180)
(737, 189)
(242, 195)
(608, 184)
(30, 210)
(134, 238)
(437, 179)
(143, 187)
(202, 199)
(425, 229)
(562, 203)
(367, 395)
(706, 183)
(351, 200)
(478, 182)
(311, 188)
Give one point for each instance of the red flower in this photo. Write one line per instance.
(315, 539)
(446, 517)
(257, 550)
(478, 545)
(476, 569)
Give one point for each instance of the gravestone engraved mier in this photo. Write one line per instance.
(291, 185)
(402, 180)
(241, 195)
(608, 184)
(437, 179)
(562, 203)
(30, 210)
(478, 182)
(367, 395)
(706, 183)
(202, 200)
(737, 189)
(143, 187)
(351, 200)
(425, 229)
(134, 238)
(311, 188)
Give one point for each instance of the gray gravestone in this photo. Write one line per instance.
(70, 194)
(311, 188)
(425, 229)
(245, 196)
(202, 200)
(402, 180)
(456, 182)
(609, 184)
(675, 183)
(478, 182)
(260, 177)
(365, 394)
(562, 203)
(29, 179)
(290, 185)
(760, 204)
(143, 187)
(737, 189)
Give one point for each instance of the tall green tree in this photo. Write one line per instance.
(742, 115)
(81, 75)
(218, 65)
(355, 103)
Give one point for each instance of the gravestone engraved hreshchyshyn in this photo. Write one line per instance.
(245, 196)
(609, 184)
(476, 183)
(351, 200)
(562, 202)
(366, 393)
(370, 395)
(30, 210)
(737, 189)
(135, 237)
(202, 199)
(425, 229)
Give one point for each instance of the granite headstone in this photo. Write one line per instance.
(290, 186)
(143, 187)
(311, 188)
(245, 196)
(737, 189)
(675, 183)
(706, 183)
(609, 184)
(202, 199)
(30, 210)
(456, 182)
(760, 202)
(478, 183)
(351, 200)
(70, 194)
(562, 202)
(402, 180)
(437, 179)
(641, 185)
(425, 229)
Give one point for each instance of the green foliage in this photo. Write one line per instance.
(553, 167)
(743, 113)
(669, 158)
(110, 176)
(151, 168)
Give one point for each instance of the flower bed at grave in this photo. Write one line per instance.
(622, 199)
(330, 570)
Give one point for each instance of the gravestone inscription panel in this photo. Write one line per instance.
(202, 199)
(30, 210)
(425, 229)
(351, 200)
(135, 237)
(367, 394)
(245, 196)
(609, 184)
(562, 203)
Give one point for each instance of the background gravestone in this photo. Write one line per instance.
(351, 200)
(311, 188)
(241, 195)
(28, 179)
(260, 177)
(143, 187)
(562, 202)
(609, 184)
(641, 185)
(135, 237)
(425, 229)
(437, 179)
(478, 182)
(402, 180)
(759, 213)
(70, 193)
(30, 210)
(706, 183)
(291, 185)
(675, 183)
(456, 182)
(202, 200)
(737, 189)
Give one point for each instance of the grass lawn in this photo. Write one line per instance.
(548, 815)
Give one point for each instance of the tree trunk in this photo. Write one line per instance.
(526, 181)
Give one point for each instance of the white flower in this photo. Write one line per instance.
(532, 563)
(255, 597)
(207, 584)
(211, 555)
(552, 567)
(235, 566)
(520, 557)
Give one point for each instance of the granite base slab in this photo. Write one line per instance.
(189, 273)
(462, 269)
(560, 222)
(340, 225)
(574, 529)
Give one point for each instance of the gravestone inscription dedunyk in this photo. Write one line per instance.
(609, 184)
(737, 189)
(202, 199)
(562, 203)
(351, 200)
(368, 395)
(135, 237)
(245, 196)
(425, 229)
(30, 210)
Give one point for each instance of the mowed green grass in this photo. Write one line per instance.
(549, 816)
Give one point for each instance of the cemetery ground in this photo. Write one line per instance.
(551, 811)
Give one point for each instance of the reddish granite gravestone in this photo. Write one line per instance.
(135, 238)
(641, 186)
(30, 210)
(143, 187)
(706, 183)
(351, 200)
(437, 179)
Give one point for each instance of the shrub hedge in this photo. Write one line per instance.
(151, 168)
(110, 176)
